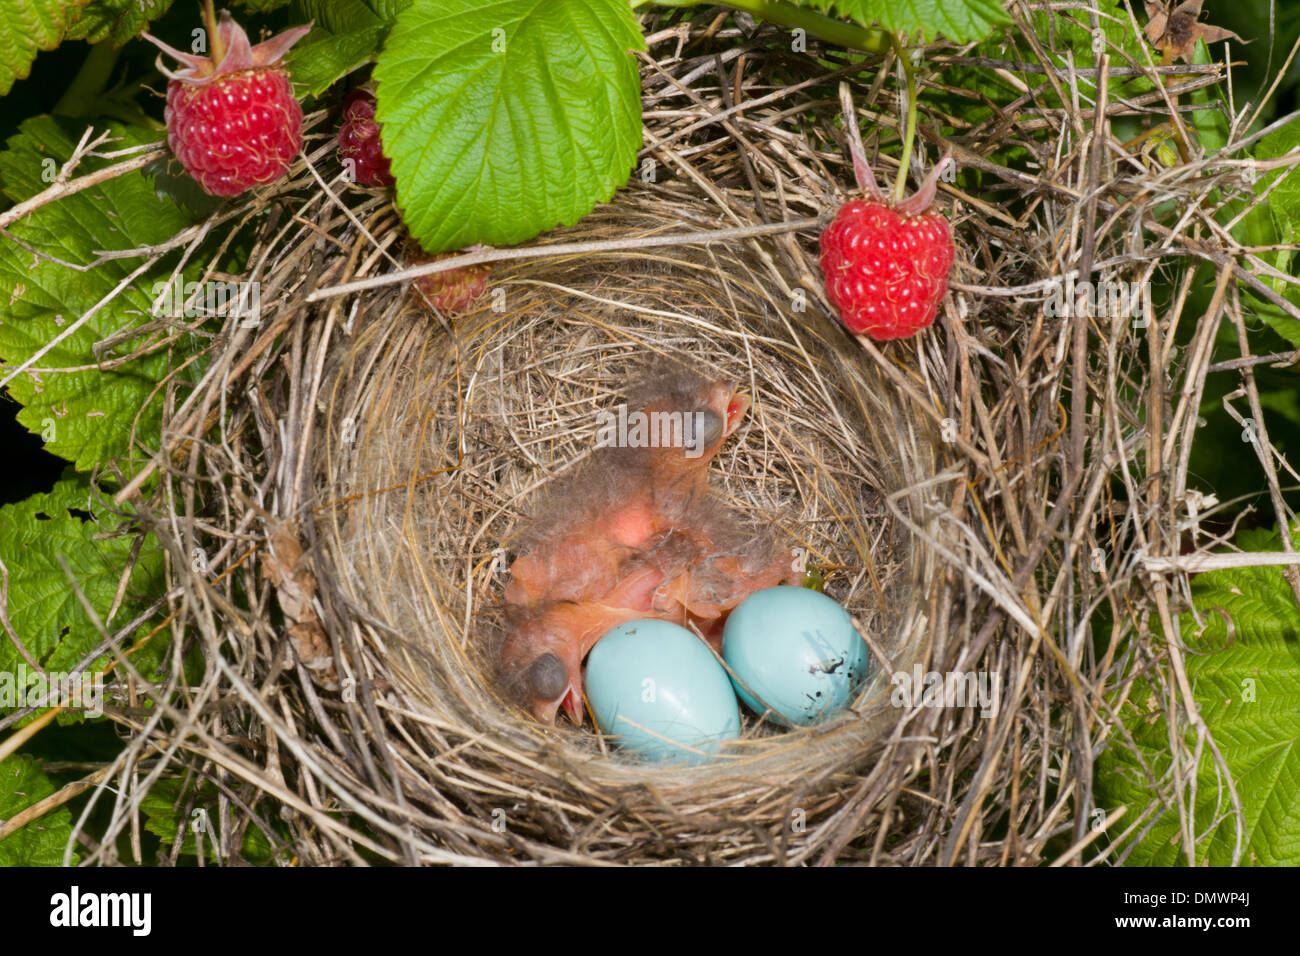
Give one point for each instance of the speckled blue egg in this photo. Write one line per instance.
(794, 651)
(658, 689)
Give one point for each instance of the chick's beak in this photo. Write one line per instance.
(546, 711)
(737, 406)
(573, 706)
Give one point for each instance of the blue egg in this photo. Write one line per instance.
(797, 653)
(658, 689)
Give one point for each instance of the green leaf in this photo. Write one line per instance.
(388, 10)
(1066, 37)
(85, 416)
(28, 26)
(1274, 317)
(1247, 688)
(1283, 206)
(164, 807)
(41, 842)
(347, 34)
(960, 20)
(1210, 124)
(262, 6)
(1258, 227)
(503, 120)
(350, 16)
(171, 183)
(115, 20)
(1284, 200)
(70, 523)
(321, 57)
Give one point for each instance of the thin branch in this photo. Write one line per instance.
(58, 190)
(565, 249)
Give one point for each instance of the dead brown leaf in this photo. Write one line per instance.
(295, 587)
(1175, 32)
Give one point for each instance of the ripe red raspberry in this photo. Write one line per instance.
(232, 119)
(884, 271)
(454, 290)
(886, 264)
(359, 141)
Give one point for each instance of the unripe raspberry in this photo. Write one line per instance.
(359, 141)
(454, 290)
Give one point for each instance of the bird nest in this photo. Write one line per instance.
(352, 471)
(436, 442)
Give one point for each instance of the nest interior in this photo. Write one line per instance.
(464, 427)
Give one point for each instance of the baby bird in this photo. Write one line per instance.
(635, 533)
(629, 490)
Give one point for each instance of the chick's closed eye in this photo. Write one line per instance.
(546, 677)
(702, 429)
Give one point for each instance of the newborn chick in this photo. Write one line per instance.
(633, 534)
(626, 494)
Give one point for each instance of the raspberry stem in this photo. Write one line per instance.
(214, 36)
(909, 130)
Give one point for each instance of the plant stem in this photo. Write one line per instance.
(214, 36)
(909, 130)
(82, 95)
(848, 35)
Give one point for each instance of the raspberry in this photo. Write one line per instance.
(884, 271)
(454, 290)
(886, 263)
(359, 141)
(232, 120)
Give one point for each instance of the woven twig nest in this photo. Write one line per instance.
(340, 490)
(464, 426)
(378, 459)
